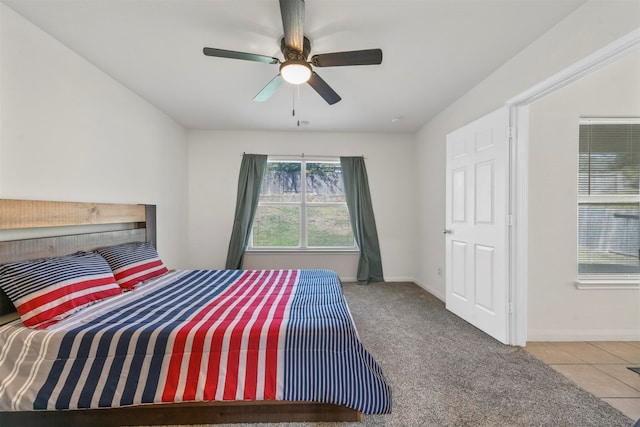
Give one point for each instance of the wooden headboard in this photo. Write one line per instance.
(48, 229)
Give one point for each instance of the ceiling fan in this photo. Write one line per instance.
(295, 48)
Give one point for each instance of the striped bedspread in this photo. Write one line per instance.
(198, 335)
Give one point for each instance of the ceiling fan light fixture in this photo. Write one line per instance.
(295, 71)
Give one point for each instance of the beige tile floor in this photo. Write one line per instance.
(599, 367)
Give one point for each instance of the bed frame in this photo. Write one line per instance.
(69, 227)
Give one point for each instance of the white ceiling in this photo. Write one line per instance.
(434, 51)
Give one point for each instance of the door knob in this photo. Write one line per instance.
(447, 231)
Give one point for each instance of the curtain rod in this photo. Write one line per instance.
(307, 156)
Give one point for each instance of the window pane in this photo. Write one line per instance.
(608, 238)
(281, 182)
(329, 226)
(277, 226)
(324, 182)
(609, 159)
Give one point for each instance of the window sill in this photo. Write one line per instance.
(607, 284)
(302, 251)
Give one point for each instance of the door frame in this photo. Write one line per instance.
(519, 170)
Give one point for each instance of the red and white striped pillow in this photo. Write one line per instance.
(132, 263)
(46, 291)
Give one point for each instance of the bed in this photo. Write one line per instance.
(166, 347)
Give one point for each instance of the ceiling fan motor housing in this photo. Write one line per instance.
(290, 54)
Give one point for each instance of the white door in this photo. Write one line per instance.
(477, 224)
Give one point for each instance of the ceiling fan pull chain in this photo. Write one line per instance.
(293, 102)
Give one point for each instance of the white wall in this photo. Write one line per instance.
(591, 27)
(69, 132)
(557, 310)
(214, 158)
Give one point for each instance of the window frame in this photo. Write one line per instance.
(303, 204)
(604, 281)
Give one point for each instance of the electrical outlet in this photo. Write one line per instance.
(439, 271)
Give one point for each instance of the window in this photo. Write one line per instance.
(609, 200)
(302, 206)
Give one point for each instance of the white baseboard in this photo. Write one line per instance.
(386, 279)
(433, 291)
(399, 279)
(584, 335)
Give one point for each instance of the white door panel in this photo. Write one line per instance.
(459, 196)
(458, 279)
(477, 226)
(485, 198)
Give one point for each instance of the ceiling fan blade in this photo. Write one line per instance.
(292, 12)
(221, 53)
(323, 89)
(269, 89)
(355, 57)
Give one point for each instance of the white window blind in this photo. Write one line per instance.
(609, 200)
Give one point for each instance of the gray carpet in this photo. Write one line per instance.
(445, 372)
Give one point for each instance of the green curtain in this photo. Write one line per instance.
(356, 189)
(249, 182)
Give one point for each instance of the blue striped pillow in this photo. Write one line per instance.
(132, 263)
(47, 290)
